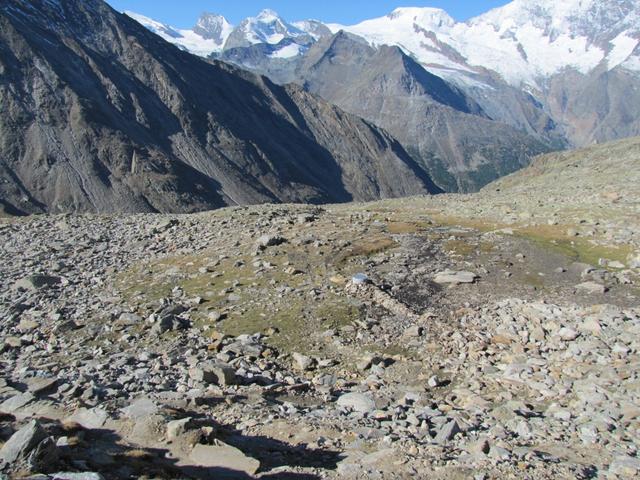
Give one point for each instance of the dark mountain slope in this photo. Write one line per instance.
(456, 142)
(98, 114)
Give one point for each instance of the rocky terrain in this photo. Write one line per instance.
(492, 335)
(100, 115)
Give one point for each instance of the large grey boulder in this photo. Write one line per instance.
(447, 432)
(359, 402)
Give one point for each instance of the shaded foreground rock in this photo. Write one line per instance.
(29, 449)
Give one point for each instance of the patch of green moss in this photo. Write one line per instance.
(257, 305)
(578, 249)
(533, 280)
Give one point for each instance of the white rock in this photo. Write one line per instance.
(303, 362)
(568, 334)
(359, 402)
(177, 428)
(359, 279)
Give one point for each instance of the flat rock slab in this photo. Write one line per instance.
(41, 386)
(224, 457)
(76, 476)
(140, 408)
(90, 419)
(625, 467)
(450, 277)
(592, 288)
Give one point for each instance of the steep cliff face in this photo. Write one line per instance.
(100, 114)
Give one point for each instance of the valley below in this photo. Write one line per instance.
(489, 335)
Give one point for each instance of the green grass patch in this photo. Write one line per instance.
(374, 244)
(252, 301)
(577, 249)
(553, 237)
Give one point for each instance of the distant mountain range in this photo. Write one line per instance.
(101, 115)
(524, 42)
(532, 76)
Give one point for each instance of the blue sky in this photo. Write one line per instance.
(183, 13)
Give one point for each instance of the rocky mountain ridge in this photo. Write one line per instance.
(443, 128)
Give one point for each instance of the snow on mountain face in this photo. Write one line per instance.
(289, 51)
(314, 28)
(156, 27)
(523, 41)
(412, 30)
(208, 36)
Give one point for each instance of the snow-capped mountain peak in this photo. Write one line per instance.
(212, 26)
(208, 36)
(524, 41)
(268, 16)
(156, 27)
(425, 16)
(315, 28)
(267, 27)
